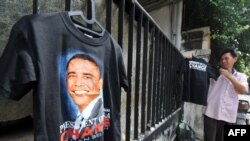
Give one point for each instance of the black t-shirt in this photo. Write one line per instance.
(196, 79)
(37, 57)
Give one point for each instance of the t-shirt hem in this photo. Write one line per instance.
(4, 92)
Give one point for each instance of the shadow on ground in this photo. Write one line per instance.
(17, 130)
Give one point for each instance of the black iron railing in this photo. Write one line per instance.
(156, 85)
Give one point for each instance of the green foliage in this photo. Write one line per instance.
(229, 21)
(232, 16)
(243, 63)
(230, 27)
(244, 46)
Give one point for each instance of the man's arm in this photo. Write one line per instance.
(239, 87)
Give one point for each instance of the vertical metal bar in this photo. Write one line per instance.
(161, 76)
(171, 71)
(175, 80)
(108, 15)
(174, 84)
(90, 11)
(150, 80)
(171, 84)
(35, 7)
(67, 5)
(180, 84)
(173, 76)
(144, 76)
(168, 79)
(154, 103)
(158, 106)
(137, 74)
(165, 76)
(120, 22)
(129, 71)
(158, 79)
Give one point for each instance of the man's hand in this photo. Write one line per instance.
(240, 88)
(226, 73)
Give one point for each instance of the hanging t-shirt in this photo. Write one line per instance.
(67, 71)
(196, 79)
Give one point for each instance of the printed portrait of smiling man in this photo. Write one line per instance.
(84, 83)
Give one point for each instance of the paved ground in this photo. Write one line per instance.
(12, 110)
(19, 130)
(15, 119)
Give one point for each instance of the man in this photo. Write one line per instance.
(222, 100)
(84, 84)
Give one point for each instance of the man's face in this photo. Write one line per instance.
(83, 81)
(227, 61)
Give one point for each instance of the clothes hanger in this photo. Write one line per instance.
(91, 21)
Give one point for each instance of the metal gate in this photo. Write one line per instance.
(153, 98)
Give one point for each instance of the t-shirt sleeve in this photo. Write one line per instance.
(17, 71)
(243, 81)
(213, 72)
(122, 72)
(182, 67)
